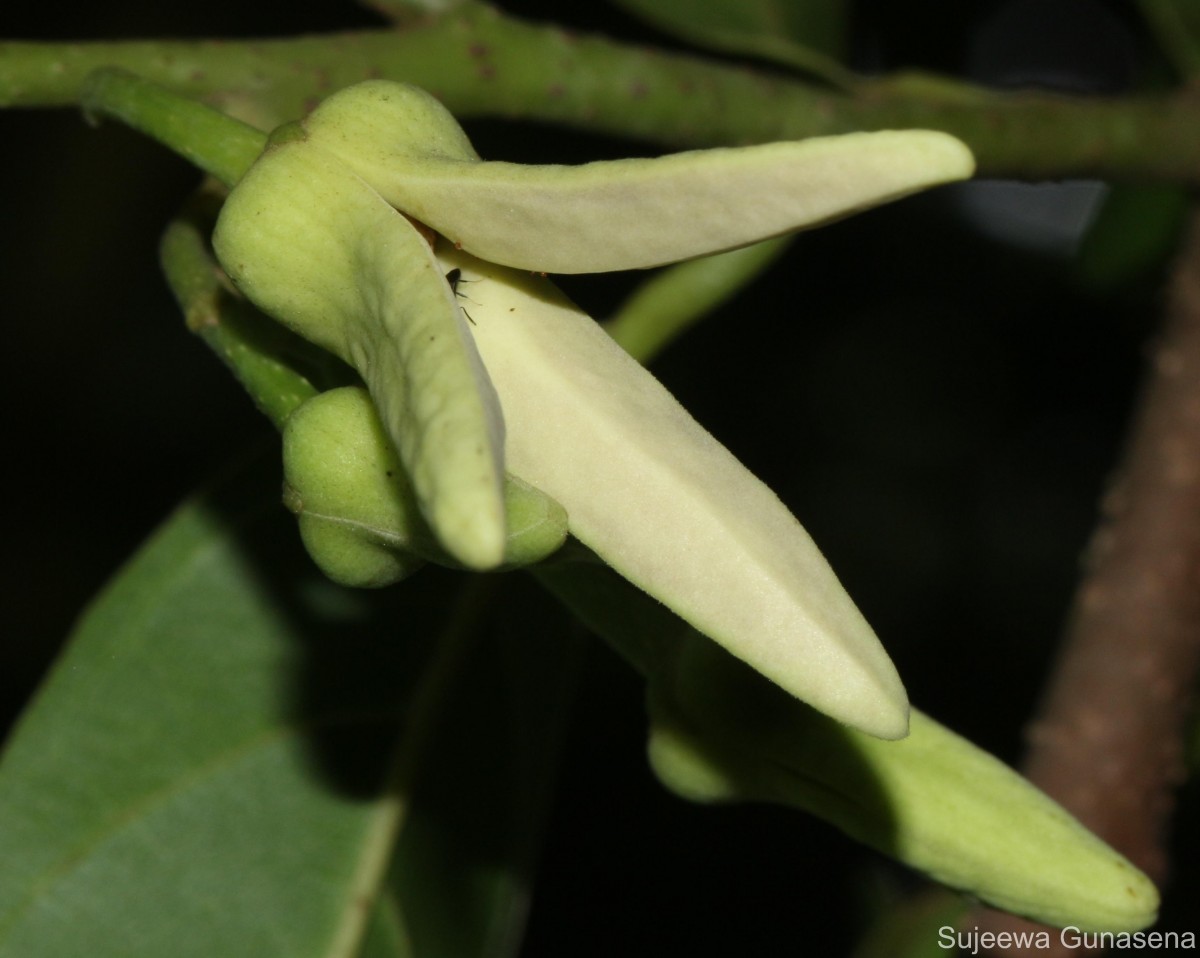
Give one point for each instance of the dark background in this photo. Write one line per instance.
(938, 389)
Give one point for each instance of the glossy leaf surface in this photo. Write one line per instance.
(805, 34)
(221, 760)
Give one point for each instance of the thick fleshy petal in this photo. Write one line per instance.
(314, 246)
(933, 801)
(632, 214)
(618, 214)
(667, 506)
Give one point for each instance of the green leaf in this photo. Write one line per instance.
(463, 868)
(1136, 230)
(213, 766)
(1176, 26)
(808, 35)
(201, 774)
(403, 12)
(911, 928)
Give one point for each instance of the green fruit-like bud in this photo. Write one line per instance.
(357, 510)
(348, 554)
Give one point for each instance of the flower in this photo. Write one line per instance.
(320, 233)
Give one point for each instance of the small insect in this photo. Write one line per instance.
(454, 277)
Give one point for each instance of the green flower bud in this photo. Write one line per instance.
(357, 510)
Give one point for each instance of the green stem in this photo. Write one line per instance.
(482, 63)
(667, 304)
(279, 370)
(218, 144)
